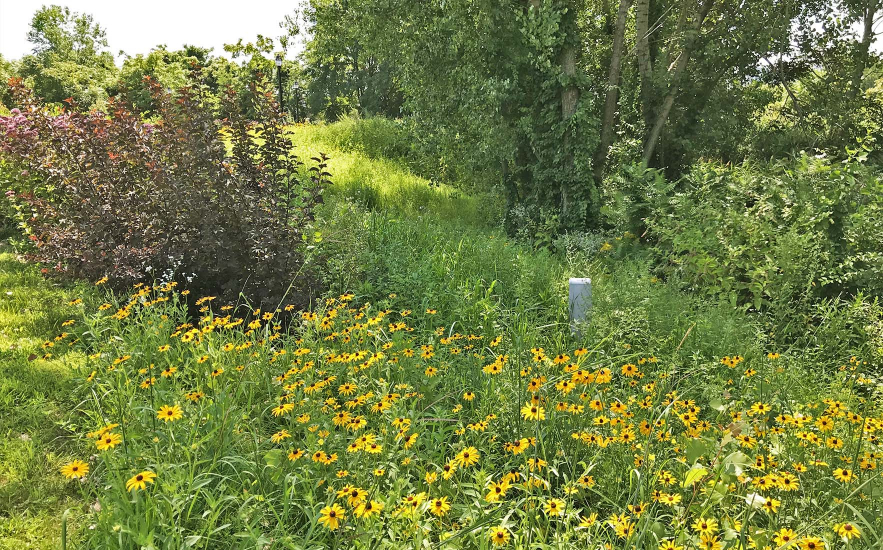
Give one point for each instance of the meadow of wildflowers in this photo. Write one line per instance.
(368, 425)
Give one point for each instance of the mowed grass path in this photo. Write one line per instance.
(34, 401)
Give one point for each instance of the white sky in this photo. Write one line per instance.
(136, 27)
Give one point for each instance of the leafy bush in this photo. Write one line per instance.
(203, 194)
(783, 232)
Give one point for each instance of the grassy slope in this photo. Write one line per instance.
(437, 249)
(33, 401)
(384, 184)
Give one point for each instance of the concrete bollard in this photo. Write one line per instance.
(579, 303)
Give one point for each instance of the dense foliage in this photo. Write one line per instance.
(70, 59)
(388, 362)
(205, 195)
(784, 232)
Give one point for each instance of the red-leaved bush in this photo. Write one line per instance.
(202, 194)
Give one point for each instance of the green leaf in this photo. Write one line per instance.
(274, 458)
(717, 405)
(696, 449)
(694, 475)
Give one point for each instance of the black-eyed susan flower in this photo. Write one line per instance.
(843, 475)
(331, 516)
(709, 542)
(194, 396)
(586, 481)
(499, 536)
(554, 507)
(705, 526)
(771, 505)
(171, 413)
(295, 454)
(467, 457)
(497, 490)
(108, 441)
(533, 412)
(812, 543)
(784, 537)
(439, 506)
(354, 495)
(75, 469)
(848, 531)
(140, 480)
(368, 508)
(283, 409)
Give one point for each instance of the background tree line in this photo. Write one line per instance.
(549, 101)
(549, 98)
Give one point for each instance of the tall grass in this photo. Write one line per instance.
(386, 184)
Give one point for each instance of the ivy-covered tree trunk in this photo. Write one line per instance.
(562, 193)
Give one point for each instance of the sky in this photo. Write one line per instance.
(138, 26)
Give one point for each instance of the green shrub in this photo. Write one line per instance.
(203, 194)
(789, 232)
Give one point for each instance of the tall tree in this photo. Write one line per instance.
(867, 14)
(610, 103)
(341, 74)
(642, 51)
(70, 57)
(676, 75)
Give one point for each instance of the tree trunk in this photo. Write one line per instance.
(570, 92)
(642, 50)
(569, 100)
(679, 30)
(870, 10)
(680, 66)
(605, 9)
(612, 91)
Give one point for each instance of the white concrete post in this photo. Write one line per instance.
(579, 303)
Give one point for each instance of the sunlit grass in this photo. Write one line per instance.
(35, 400)
(388, 185)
